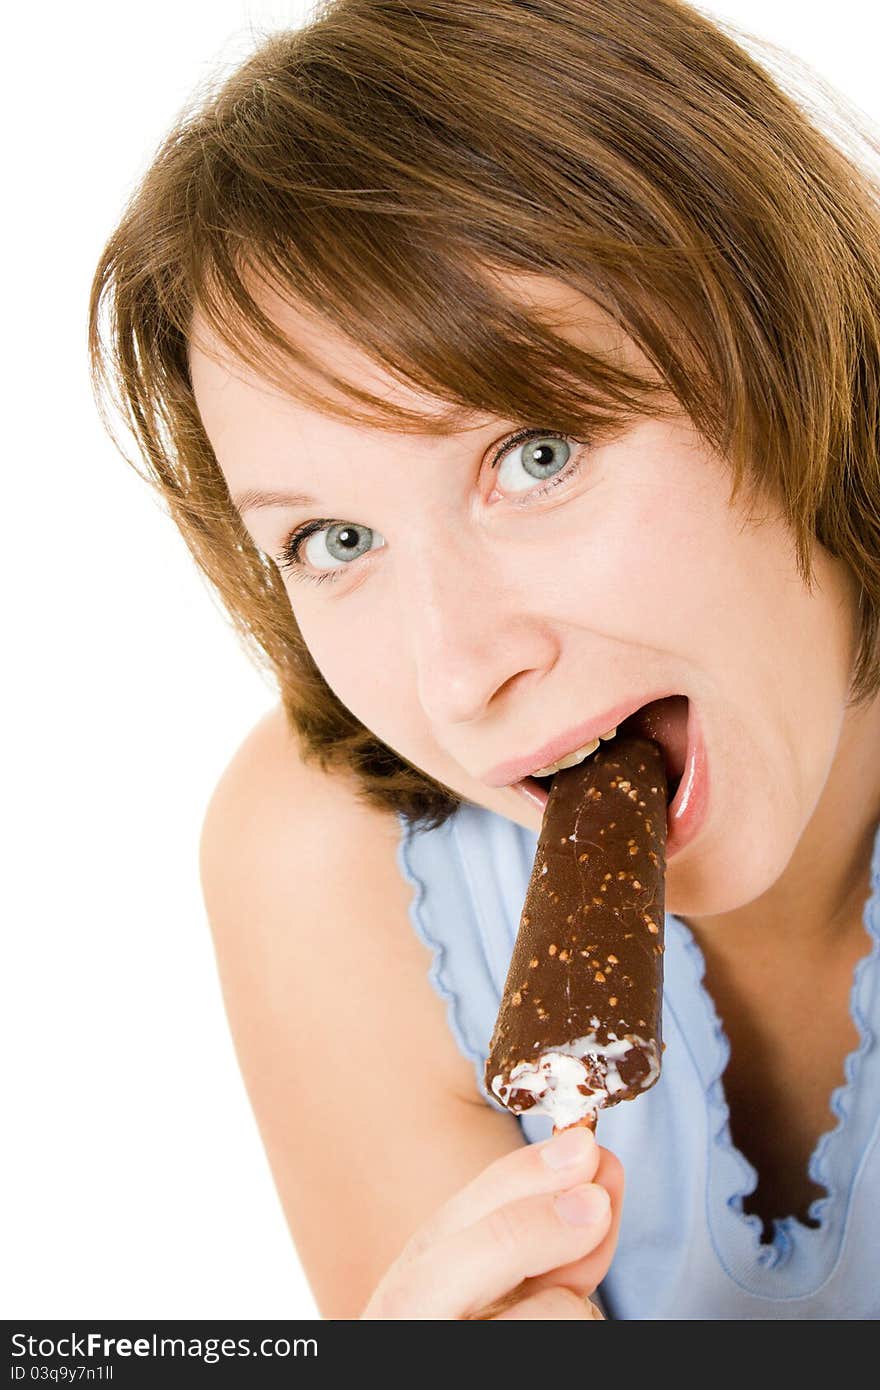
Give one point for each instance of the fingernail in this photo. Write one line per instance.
(570, 1147)
(582, 1206)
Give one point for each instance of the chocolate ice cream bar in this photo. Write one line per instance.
(579, 1025)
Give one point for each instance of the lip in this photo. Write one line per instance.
(516, 769)
(686, 813)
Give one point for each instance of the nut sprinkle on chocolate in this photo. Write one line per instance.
(579, 1027)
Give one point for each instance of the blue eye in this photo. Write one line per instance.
(323, 545)
(534, 459)
(528, 457)
(345, 541)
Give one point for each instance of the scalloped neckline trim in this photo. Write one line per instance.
(732, 1176)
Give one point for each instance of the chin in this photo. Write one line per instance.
(719, 876)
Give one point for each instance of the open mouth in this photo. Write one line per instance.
(666, 722)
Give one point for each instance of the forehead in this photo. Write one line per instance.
(214, 367)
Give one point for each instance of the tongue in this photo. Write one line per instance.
(666, 722)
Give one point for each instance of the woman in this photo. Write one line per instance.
(508, 368)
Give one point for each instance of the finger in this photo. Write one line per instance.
(551, 1304)
(467, 1270)
(550, 1166)
(583, 1275)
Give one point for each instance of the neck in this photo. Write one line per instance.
(820, 896)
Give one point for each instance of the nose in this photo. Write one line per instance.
(471, 630)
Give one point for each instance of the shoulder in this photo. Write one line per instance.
(291, 858)
(268, 776)
(279, 832)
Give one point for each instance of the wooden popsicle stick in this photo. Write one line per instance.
(587, 1122)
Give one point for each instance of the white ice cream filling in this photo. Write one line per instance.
(554, 1077)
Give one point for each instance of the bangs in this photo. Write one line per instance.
(388, 215)
(451, 329)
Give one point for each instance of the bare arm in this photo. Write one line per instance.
(369, 1113)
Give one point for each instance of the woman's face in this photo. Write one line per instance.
(467, 616)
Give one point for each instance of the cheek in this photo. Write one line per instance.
(362, 659)
(772, 662)
(681, 584)
(357, 658)
(640, 560)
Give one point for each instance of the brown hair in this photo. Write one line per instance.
(380, 163)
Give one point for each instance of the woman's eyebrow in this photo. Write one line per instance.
(440, 428)
(252, 499)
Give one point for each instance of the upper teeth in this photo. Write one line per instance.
(576, 757)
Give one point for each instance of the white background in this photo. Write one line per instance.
(135, 1181)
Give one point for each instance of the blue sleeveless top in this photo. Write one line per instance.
(687, 1251)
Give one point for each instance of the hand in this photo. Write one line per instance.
(524, 1240)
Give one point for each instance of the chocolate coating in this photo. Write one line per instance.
(586, 974)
